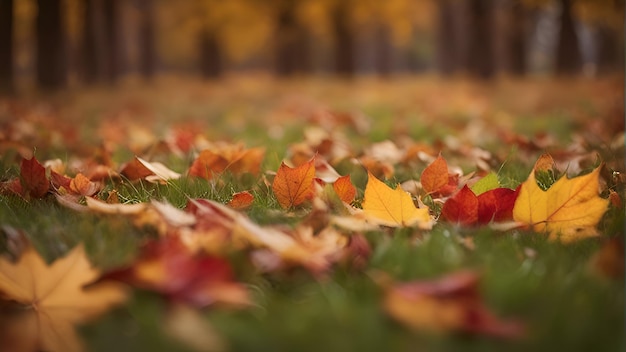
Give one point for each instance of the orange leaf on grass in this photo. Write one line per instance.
(569, 210)
(436, 178)
(241, 200)
(220, 158)
(345, 189)
(435, 175)
(392, 207)
(293, 186)
(83, 186)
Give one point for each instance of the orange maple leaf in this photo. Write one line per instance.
(569, 210)
(345, 189)
(293, 186)
(234, 158)
(241, 200)
(392, 207)
(54, 298)
(436, 178)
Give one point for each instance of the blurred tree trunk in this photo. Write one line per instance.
(210, 55)
(147, 56)
(609, 54)
(568, 56)
(481, 30)
(6, 46)
(344, 41)
(517, 42)
(89, 42)
(384, 50)
(287, 41)
(50, 57)
(447, 61)
(112, 65)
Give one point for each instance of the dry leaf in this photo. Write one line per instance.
(451, 303)
(569, 210)
(241, 200)
(293, 186)
(55, 298)
(394, 208)
(345, 189)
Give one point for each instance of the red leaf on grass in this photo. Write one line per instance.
(33, 178)
(465, 208)
(170, 268)
(437, 180)
(241, 200)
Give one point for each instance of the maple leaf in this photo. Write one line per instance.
(293, 186)
(55, 298)
(83, 186)
(167, 266)
(436, 178)
(451, 303)
(241, 200)
(345, 189)
(392, 207)
(466, 208)
(222, 157)
(33, 178)
(568, 210)
(150, 171)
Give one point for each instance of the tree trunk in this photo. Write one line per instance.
(89, 43)
(6, 46)
(51, 67)
(518, 18)
(147, 57)
(610, 57)
(112, 54)
(481, 51)
(286, 41)
(210, 55)
(446, 39)
(384, 50)
(568, 56)
(344, 41)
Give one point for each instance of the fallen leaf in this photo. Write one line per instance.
(293, 186)
(83, 186)
(569, 210)
(392, 207)
(150, 171)
(345, 189)
(451, 303)
(435, 175)
(167, 266)
(467, 209)
(55, 298)
(222, 157)
(241, 200)
(35, 183)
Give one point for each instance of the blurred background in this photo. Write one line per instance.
(56, 44)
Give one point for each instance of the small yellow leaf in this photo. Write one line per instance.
(393, 207)
(569, 210)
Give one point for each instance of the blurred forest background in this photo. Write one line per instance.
(54, 44)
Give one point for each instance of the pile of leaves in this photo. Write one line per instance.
(212, 217)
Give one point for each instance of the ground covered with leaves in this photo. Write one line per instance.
(308, 215)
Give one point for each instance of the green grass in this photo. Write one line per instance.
(552, 288)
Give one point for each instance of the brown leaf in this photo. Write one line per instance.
(241, 200)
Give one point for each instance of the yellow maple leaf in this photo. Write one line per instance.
(54, 300)
(569, 210)
(392, 207)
